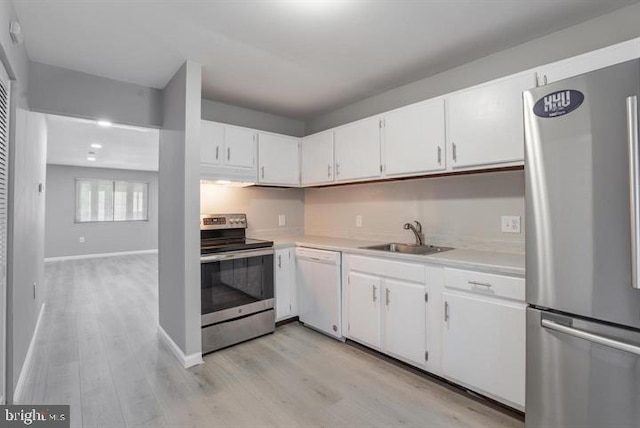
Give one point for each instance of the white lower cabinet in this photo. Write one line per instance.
(386, 306)
(284, 272)
(483, 334)
(364, 308)
(404, 320)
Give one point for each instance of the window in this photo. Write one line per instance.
(109, 200)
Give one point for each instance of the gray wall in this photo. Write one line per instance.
(72, 93)
(62, 233)
(240, 116)
(22, 308)
(179, 214)
(27, 243)
(615, 27)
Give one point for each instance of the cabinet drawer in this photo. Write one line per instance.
(508, 287)
(388, 268)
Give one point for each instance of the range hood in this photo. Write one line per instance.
(228, 176)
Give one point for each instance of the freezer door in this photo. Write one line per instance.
(581, 374)
(578, 228)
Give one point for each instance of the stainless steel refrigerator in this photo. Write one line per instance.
(583, 250)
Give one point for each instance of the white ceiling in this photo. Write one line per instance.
(123, 147)
(296, 58)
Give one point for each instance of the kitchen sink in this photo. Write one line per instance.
(395, 247)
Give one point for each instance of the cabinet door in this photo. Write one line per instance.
(283, 284)
(211, 142)
(358, 150)
(240, 147)
(590, 61)
(414, 139)
(316, 158)
(485, 124)
(484, 345)
(278, 160)
(404, 320)
(363, 300)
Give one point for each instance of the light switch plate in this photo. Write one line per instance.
(81, 239)
(282, 220)
(358, 221)
(510, 223)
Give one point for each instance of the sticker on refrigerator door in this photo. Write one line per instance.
(558, 103)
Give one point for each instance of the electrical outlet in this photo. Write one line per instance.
(511, 224)
(282, 220)
(358, 221)
(81, 239)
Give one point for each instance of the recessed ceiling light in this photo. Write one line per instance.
(91, 158)
(96, 146)
(104, 123)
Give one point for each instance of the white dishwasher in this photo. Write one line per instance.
(319, 290)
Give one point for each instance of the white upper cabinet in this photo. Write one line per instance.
(413, 139)
(587, 62)
(211, 142)
(240, 147)
(278, 159)
(316, 159)
(357, 148)
(485, 125)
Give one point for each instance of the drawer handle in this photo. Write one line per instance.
(481, 284)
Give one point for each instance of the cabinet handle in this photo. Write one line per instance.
(387, 291)
(482, 284)
(337, 169)
(279, 261)
(328, 171)
(454, 152)
(262, 171)
(228, 153)
(439, 155)
(634, 188)
(446, 311)
(373, 291)
(217, 152)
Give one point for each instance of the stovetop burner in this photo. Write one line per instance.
(211, 246)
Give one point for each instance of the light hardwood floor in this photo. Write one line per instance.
(99, 351)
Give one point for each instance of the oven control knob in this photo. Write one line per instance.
(232, 221)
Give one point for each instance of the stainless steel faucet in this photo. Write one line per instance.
(417, 230)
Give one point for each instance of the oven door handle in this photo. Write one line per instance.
(236, 255)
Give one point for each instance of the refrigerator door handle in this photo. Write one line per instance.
(590, 337)
(634, 187)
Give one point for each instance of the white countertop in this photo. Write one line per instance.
(490, 261)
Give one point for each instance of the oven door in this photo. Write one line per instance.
(236, 284)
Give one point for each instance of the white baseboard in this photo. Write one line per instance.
(186, 360)
(26, 366)
(98, 255)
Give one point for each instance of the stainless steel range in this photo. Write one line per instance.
(237, 295)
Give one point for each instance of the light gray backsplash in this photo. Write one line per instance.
(461, 211)
(261, 204)
(240, 116)
(63, 234)
(605, 30)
